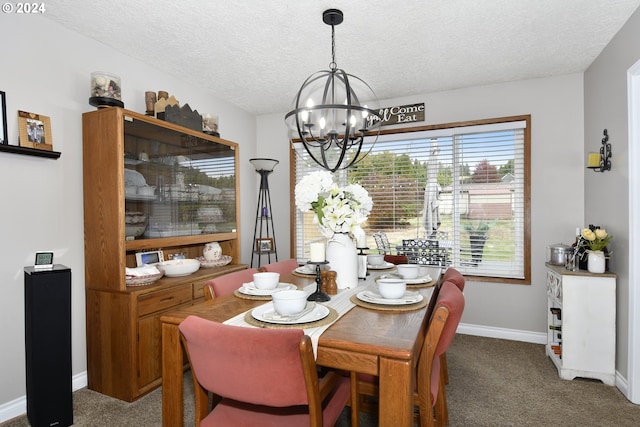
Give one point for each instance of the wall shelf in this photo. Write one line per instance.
(16, 149)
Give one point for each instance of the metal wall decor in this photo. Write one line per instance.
(333, 111)
(601, 162)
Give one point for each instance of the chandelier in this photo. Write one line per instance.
(333, 112)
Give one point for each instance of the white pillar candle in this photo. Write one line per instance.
(362, 240)
(317, 252)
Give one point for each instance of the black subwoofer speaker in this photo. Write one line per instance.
(48, 346)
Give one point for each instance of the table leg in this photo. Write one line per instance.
(172, 376)
(396, 393)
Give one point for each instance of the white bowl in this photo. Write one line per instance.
(146, 190)
(375, 259)
(179, 267)
(408, 271)
(266, 280)
(134, 230)
(392, 288)
(289, 302)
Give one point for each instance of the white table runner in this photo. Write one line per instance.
(340, 303)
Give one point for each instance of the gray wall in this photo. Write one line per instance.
(46, 70)
(557, 196)
(607, 194)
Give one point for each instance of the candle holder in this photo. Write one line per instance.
(363, 272)
(318, 295)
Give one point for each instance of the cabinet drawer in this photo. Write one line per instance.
(197, 289)
(158, 301)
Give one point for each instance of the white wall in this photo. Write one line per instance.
(557, 197)
(607, 194)
(45, 69)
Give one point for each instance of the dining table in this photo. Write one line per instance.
(384, 342)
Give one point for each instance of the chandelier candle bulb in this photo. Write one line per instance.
(317, 252)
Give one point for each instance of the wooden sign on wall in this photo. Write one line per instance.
(402, 114)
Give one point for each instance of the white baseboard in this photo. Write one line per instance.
(504, 334)
(18, 407)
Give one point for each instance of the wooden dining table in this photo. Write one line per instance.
(385, 343)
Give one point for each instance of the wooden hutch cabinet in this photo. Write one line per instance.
(149, 185)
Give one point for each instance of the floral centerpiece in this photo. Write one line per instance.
(596, 239)
(337, 209)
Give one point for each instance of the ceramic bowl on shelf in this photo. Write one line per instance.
(179, 267)
(143, 280)
(135, 223)
(220, 262)
(289, 302)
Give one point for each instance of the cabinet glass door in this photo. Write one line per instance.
(176, 184)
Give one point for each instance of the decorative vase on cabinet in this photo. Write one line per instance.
(149, 185)
(596, 262)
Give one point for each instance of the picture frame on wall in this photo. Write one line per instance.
(264, 245)
(3, 119)
(35, 131)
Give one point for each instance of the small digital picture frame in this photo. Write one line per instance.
(44, 260)
(150, 258)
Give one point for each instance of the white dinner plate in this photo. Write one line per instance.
(141, 197)
(250, 289)
(417, 281)
(383, 266)
(264, 312)
(306, 269)
(371, 296)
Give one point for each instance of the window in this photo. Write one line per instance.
(456, 195)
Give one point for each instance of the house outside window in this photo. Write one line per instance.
(453, 195)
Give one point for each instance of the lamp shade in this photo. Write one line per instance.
(262, 164)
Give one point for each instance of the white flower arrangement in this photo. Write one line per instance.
(337, 210)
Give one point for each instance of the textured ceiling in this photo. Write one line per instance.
(256, 53)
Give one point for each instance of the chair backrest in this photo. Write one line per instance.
(382, 242)
(454, 276)
(253, 365)
(282, 267)
(440, 333)
(227, 283)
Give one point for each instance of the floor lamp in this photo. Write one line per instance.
(263, 235)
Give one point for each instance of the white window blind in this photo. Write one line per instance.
(460, 191)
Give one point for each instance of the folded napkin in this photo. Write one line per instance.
(143, 270)
(273, 315)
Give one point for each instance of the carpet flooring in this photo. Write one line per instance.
(492, 383)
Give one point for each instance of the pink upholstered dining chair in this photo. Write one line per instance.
(264, 377)
(227, 283)
(282, 267)
(454, 276)
(430, 395)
